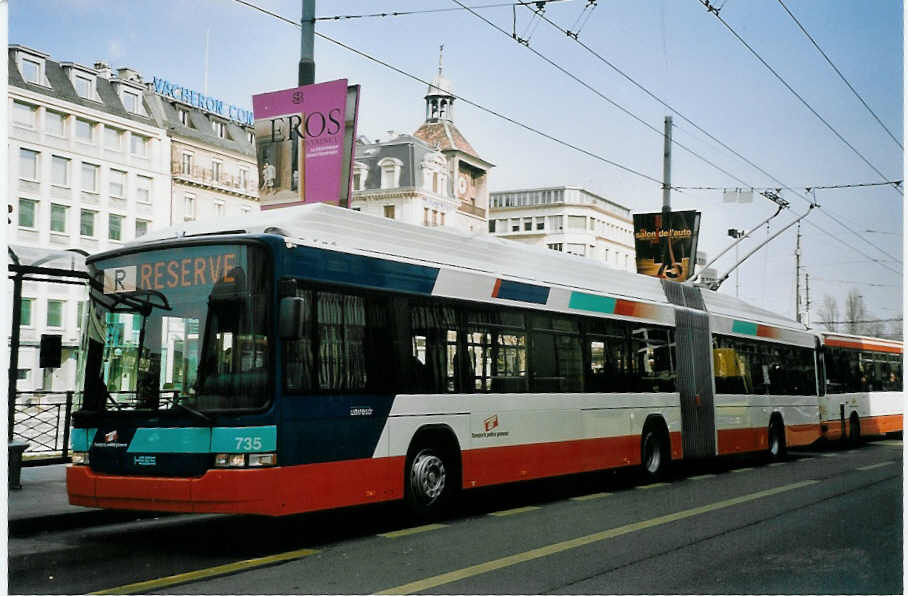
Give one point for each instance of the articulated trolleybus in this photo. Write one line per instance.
(313, 357)
(863, 387)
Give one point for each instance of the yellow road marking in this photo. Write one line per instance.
(736, 470)
(888, 443)
(507, 512)
(874, 466)
(776, 464)
(410, 531)
(649, 486)
(828, 454)
(702, 476)
(537, 553)
(182, 578)
(591, 497)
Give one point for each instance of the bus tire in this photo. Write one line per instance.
(655, 455)
(778, 450)
(430, 481)
(854, 430)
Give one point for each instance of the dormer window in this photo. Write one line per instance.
(31, 71)
(360, 174)
(184, 116)
(219, 128)
(390, 172)
(84, 86)
(131, 102)
(250, 136)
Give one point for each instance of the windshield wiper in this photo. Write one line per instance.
(197, 413)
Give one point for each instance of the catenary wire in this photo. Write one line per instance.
(828, 213)
(785, 83)
(400, 13)
(841, 76)
(520, 124)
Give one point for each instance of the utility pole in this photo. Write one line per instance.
(307, 44)
(807, 296)
(666, 196)
(798, 275)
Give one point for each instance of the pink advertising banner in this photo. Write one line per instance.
(300, 144)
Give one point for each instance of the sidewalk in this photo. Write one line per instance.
(42, 504)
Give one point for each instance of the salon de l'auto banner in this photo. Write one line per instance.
(667, 251)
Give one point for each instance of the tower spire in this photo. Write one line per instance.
(440, 95)
(441, 55)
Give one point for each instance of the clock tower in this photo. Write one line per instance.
(468, 173)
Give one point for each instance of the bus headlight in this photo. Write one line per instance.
(245, 460)
(262, 459)
(80, 458)
(230, 460)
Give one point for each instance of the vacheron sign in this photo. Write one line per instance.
(205, 102)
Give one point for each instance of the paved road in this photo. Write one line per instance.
(826, 521)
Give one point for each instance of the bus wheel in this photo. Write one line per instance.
(429, 482)
(777, 448)
(854, 430)
(655, 456)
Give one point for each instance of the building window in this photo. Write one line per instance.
(515, 225)
(556, 223)
(141, 227)
(442, 218)
(115, 227)
(117, 186)
(138, 145)
(84, 86)
(390, 172)
(389, 211)
(186, 164)
(84, 130)
(28, 212)
(58, 215)
(244, 177)
(216, 171)
(87, 223)
(59, 171)
(131, 102)
(112, 139)
(527, 224)
(576, 222)
(556, 246)
(575, 249)
(55, 313)
(425, 216)
(250, 136)
(188, 207)
(80, 312)
(28, 164)
(31, 71)
(24, 114)
(25, 312)
(219, 128)
(219, 208)
(90, 177)
(492, 223)
(55, 123)
(183, 115)
(143, 189)
(540, 223)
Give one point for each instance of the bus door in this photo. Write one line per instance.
(695, 377)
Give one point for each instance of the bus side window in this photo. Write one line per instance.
(433, 346)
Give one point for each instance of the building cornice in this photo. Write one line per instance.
(559, 205)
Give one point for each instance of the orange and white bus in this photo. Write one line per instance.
(863, 387)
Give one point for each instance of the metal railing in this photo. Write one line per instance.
(42, 419)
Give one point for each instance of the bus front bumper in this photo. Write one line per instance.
(217, 491)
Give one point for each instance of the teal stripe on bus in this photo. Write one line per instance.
(744, 328)
(244, 439)
(592, 302)
(80, 438)
(170, 440)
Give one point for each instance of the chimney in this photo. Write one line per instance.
(103, 69)
(128, 74)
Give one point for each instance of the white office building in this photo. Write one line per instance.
(567, 219)
(89, 170)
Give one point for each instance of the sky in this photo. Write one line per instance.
(680, 52)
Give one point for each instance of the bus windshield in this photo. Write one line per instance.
(180, 328)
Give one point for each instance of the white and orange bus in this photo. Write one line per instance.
(863, 387)
(314, 357)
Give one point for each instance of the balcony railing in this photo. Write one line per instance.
(471, 209)
(206, 177)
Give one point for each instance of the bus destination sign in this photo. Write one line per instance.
(171, 273)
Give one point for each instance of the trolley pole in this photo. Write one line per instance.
(798, 275)
(307, 44)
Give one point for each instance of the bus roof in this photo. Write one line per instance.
(335, 228)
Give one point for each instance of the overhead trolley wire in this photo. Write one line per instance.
(841, 76)
(708, 134)
(775, 73)
(461, 98)
(520, 124)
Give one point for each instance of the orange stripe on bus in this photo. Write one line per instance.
(861, 345)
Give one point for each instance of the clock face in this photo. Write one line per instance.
(462, 184)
